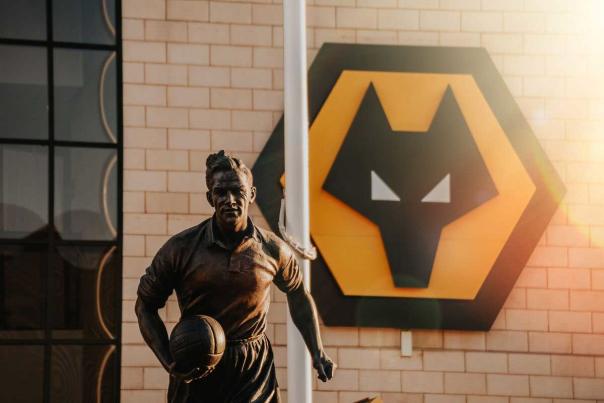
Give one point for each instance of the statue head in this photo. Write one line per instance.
(230, 190)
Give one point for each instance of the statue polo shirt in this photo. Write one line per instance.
(232, 286)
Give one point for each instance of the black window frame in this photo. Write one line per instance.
(52, 240)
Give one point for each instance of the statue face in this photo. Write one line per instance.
(231, 195)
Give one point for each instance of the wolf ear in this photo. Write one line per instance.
(371, 108)
(448, 114)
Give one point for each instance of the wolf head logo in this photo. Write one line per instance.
(410, 184)
(428, 190)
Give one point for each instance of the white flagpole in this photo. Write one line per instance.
(299, 385)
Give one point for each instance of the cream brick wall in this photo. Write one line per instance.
(200, 76)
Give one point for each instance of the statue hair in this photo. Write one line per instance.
(221, 161)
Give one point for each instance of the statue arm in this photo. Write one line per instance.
(154, 332)
(304, 316)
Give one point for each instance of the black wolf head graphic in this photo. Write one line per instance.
(410, 184)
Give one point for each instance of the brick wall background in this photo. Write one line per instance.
(200, 76)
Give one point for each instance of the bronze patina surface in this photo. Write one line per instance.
(223, 268)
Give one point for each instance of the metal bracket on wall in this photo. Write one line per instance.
(406, 343)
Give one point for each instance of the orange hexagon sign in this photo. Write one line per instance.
(428, 190)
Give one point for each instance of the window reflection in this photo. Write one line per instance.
(85, 193)
(82, 291)
(22, 382)
(23, 92)
(84, 21)
(83, 374)
(85, 95)
(21, 292)
(23, 190)
(23, 19)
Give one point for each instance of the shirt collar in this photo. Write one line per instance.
(211, 236)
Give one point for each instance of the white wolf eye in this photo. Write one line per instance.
(381, 191)
(440, 193)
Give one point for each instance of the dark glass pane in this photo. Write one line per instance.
(23, 191)
(85, 95)
(83, 374)
(23, 19)
(21, 291)
(85, 193)
(22, 374)
(23, 92)
(82, 292)
(88, 21)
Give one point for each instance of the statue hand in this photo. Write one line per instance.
(325, 366)
(193, 375)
